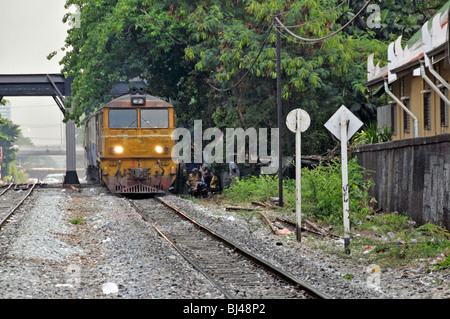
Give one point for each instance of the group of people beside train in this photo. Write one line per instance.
(203, 181)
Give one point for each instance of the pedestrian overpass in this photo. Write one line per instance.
(58, 87)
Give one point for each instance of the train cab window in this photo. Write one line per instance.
(122, 118)
(155, 118)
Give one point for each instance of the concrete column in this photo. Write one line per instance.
(71, 158)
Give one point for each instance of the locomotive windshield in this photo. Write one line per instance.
(122, 118)
(155, 118)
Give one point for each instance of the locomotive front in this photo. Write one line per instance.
(128, 145)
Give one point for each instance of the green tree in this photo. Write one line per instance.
(118, 41)
(9, 133)
(396, 17)
(216, 60)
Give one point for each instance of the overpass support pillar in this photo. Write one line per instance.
(71, 157)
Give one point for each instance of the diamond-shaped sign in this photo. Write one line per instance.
(334, 123)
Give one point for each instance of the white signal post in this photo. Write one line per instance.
(344, 169)
(298, 121)
(343, 124)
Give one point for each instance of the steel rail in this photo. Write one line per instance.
(265, 264)
(13, 210)
(4, 191)
(226, 293)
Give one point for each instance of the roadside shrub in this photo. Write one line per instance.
(258, 188)
(321, 191)
(370, 134)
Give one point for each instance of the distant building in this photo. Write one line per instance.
(416, 80)
(5, 111)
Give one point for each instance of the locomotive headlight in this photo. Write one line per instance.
(138, 100)
(159, 149)
(116, 150)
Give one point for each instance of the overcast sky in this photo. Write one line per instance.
(29, 31)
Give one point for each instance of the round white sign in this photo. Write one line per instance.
(291, 120)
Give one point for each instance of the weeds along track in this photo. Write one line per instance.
(235, 272)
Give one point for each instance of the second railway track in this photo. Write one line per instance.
(11, 197)
(237, 273)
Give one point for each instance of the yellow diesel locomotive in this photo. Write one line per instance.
(128, 145)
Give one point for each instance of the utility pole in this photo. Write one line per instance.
(280, 115)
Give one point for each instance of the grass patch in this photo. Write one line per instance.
(76, 221)
(348, 276)
(401, 244)
(444, 264)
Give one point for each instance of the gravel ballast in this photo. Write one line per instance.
(326, 272)
(113, 253)
(43, 255)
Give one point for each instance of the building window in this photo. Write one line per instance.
(444, 109)
(406, 118)
(427, 110)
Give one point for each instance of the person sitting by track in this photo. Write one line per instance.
(193, 182)
(206, 190)
(206, 177)
(215, 183)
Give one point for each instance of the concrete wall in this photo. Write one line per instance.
(412, 176)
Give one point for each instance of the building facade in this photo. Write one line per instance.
(416, 80)
(411, 174)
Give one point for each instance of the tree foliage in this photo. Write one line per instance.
(396, 17)
(194, 53)
(9, 133)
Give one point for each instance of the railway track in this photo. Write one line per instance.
(11, 197)
(237, 273)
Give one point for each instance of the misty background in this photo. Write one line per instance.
(29, 31)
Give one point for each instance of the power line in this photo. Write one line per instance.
(327, 36)
(178, 41)
(289, 38)
(296, 36)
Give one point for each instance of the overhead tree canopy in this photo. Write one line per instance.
(216, 60)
